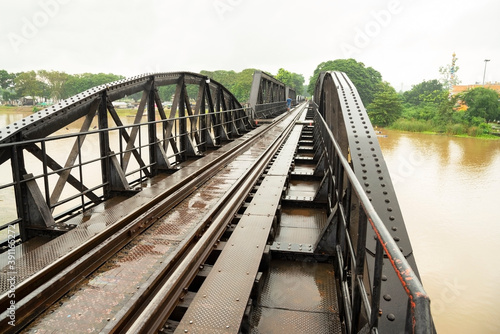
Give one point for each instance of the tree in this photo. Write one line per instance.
(366, 79)
(237, 83)
(225, 78)
(6, 79)
(482, 103)
(55, 82)
(243, 85)
(425, 92)
(26, 84)
(293, 80)
(386, 106)
(81, 82)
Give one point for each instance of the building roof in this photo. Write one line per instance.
(462, 88)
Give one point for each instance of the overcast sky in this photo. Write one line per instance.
(405, 40)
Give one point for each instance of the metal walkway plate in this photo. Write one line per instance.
(300, 230)
(219, 305)
(297, 297)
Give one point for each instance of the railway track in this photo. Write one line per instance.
(132, 274)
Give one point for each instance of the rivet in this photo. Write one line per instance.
(384, 278)
(387, 297)
(391, 317)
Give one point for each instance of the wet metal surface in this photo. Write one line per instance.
(297, 297)
(303, 188)
(221, 301)
(94, 221)
(300, 229)
(110, 289)
(97, 302)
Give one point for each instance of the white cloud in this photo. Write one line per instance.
(153, 35)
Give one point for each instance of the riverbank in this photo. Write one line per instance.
(491, 132)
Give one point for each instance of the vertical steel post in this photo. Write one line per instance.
(152, 128)
(102, 121)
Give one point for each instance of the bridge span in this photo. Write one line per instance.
(210, 218)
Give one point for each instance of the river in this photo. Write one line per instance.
(447, 188)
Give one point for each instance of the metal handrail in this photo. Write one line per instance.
(226, 118)
(419, 302)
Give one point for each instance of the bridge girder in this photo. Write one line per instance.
(361, 259)
(215, 116)
(268, 95)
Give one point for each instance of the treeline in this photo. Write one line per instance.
(55, 85)
(427, 106)
(240, 83)
(51, 85)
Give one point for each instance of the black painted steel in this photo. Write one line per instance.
(362, 198)
(268, 96)
(156, 145)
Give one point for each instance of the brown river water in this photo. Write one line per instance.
(448, 191)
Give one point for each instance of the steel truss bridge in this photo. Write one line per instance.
(207, 217)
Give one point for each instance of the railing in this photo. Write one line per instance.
(96, 175)
(270, 110)
(360, 304)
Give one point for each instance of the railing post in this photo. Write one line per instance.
(377, 285)
(102, 121)
(152, 141)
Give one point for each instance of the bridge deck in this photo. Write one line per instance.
(297, 297)
(99, 301)
(32, 259)
(220, 304)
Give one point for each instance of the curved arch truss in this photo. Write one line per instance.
(122, 152)
(374, 256)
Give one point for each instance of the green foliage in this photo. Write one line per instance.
(55, 82)
(424, 111)
(6, 79)
(241, 89)
(366, 79)
(431, 91)
(412, 125)
(482, 103)
(26, 84)
(8, 95)
(81, 82)
(293, 80)
(237, 83)
(226, 78)
(386, 106)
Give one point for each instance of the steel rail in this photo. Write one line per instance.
(156, 312)
(419, 300)
(38, 292)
